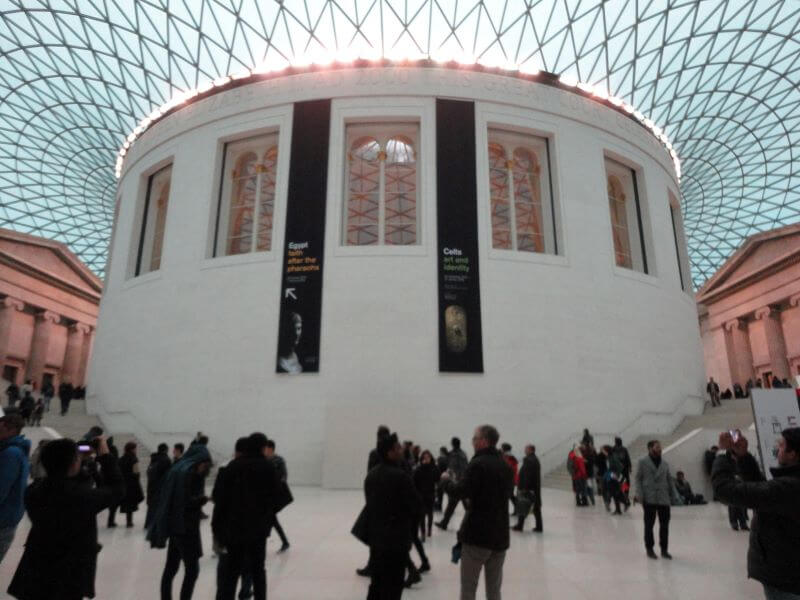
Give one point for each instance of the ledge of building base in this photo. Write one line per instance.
(648, 422)
(125, 422)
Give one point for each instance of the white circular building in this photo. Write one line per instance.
(431, 246)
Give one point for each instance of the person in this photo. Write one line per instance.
(589, 456)
(775, 526)
(156, 472)
(393, 510)
(14, 470)
(12, 394)
(684, 489)
(623, 456)
(291, 331)
(486, 486)
(601, 467)
(37, 414)
(425, 477)
(47, 395)
(176, 522)
(245, 501)
(129, 467)
(655, 489)
(441, 463)
(60, 556)
(577, 469)
(283, 476)
(529, 492)
(456, 467)
(708, 458)
(112, 510)
(613, 479)
(27, 388)
(712, 388)
(587, 439)
(511, 460)
(373, 460)
(738, 392)
(26, 406)
(177, 452)
(65, 392)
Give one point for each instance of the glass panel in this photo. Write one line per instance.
(528, 201)
(400, 193)
(498, 197)
(267, 198)
(157, 201)
(619, 222)
(363, 193)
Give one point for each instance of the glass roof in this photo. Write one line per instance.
(719, 76)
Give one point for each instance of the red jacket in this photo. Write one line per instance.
(514, 464)
(579, 467)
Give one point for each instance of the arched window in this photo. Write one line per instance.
(154, 220)
(247, 198)
(520, 194)
(382, 183)
(619, 223)
(627, 222)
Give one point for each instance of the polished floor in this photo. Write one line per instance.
(583, 554)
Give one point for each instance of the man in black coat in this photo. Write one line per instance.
(529, 489)
(485, 488)
(156, 471)
(393, 511)
(773, 557)
(244, 501)
(65, 392)
(372, 461)
(60, 557)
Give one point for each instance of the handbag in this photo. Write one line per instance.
(361, 527)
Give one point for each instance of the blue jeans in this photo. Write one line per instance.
(6, 537)
(771, 593)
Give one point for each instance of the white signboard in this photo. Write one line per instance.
(773, 411)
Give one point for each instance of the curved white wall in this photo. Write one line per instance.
(569, 341)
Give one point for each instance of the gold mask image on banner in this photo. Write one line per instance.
(455, 325)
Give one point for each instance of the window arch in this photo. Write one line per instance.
(382, 183)
(247, 197)
(520, 193)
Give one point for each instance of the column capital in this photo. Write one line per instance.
(765, 312)
(794, 300)
(14, 303)
(81, 328)
(47, 315)
(735, 324)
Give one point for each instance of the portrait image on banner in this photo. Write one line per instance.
(301, 284)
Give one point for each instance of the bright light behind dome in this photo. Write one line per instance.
(715, 81)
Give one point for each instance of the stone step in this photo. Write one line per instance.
(735, 413)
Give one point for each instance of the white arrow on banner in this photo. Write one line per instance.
(290, 293)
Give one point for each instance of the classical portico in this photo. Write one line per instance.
(750, 311)
(48, 311)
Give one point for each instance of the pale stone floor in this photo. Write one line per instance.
(583, 554)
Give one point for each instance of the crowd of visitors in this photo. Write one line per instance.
(74, 482)
(769, 381)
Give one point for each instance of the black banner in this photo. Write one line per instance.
(460, 343)
(301, 288)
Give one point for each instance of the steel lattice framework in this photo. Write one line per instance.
(719, 76)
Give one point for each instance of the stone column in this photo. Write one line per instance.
(73, 354)
(775, 342)
(8, 309)
(86, 354)
(37, 357)
(741, 356)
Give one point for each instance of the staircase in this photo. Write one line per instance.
(733, 414)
